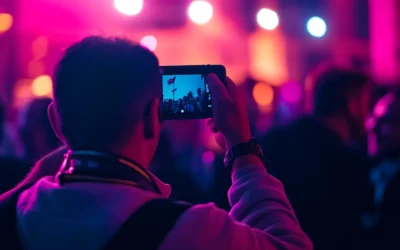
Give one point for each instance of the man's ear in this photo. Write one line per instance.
(152, 120)
(55, 124)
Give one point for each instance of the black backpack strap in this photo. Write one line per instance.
(8, 217)
(147, 227)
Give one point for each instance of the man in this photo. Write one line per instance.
(385, 129)
(325, 182)
(106, 105)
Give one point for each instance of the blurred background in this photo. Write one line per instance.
(267, 46)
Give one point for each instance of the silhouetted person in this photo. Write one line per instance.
(12, 170)
(326, 182)
(385, 125)
(37, 136)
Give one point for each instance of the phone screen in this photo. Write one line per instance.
(186, 96)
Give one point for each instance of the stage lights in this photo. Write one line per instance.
(129, 7)
(267, 19)
(200, 12)
(316, 26)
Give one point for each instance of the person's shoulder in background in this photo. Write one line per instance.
(286, 139)
(12, 171)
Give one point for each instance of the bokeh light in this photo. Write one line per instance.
(291, 92)
(22, 93)
(316, 26)
(263, 94)
(42, 86)
(40, 47)
(6, 21)
(265, 109)
(267, 19)
(383, 104)
(129, 7)
(200, 12)
(149, 42)
(208, 157)
(23, 88)
(35, 68)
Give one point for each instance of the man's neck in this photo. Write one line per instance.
(135, 155)
(338, 125)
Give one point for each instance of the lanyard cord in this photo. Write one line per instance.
(87, 178)
(67, 170)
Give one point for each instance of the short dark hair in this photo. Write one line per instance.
(333, 86)
(102, 87)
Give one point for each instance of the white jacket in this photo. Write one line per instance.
(85, 215)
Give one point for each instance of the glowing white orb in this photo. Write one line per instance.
(316, 26)
(129, 7)
(200, 12)
(267, 19)
(149, 42)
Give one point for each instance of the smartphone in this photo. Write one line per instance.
(185, 91)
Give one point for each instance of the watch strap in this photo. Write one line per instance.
(251, 147)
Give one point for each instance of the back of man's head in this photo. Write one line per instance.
(102, 87)
(334, 88)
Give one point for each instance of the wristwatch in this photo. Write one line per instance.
(251, 147)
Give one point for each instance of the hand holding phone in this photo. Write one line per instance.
(230, 115)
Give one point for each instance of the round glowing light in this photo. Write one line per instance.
(208, 157)
(40, 47)
(263, 94)
(35, 68)
(6, 21)
(316, 26)
(42, 86)
(23, 88)
(200, 12)
(291, 92)
(267, 19)
(129, 7)
(149, 42)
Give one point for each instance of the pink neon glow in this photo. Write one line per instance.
(383, 38)
(291, 92)
(208, 157)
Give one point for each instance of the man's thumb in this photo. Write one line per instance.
(216, 86)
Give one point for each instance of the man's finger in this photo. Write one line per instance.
(231, 87)
(220, 140)
(216, 86)
(213, 128)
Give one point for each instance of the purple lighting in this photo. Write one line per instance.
(291, 92)
(208, 157)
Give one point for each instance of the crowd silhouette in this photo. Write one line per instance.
(189, 103)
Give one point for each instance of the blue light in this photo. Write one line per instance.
(316, 26)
